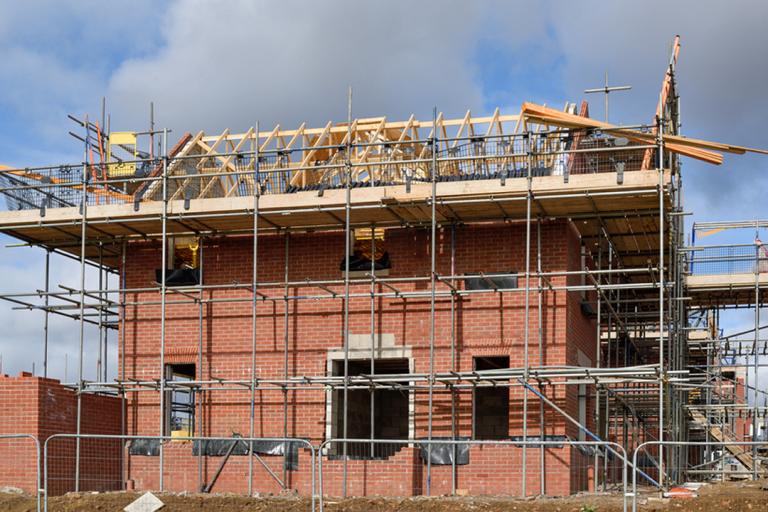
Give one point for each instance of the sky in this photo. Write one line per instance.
(209, 65)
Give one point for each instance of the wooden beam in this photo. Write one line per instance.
(372, 124)
(672, 143)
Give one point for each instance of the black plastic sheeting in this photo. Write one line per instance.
(443, 453)
(148, 447)
(475, 282)
(219, 448)
(592, 449)
(179, 276)
(358, 262)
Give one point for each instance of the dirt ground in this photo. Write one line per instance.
(731, 496)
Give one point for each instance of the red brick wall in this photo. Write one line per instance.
(490, 324)
(43, 407)
(492, 470)
(742, 424)
(19, 406)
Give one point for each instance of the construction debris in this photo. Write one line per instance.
(147, 502)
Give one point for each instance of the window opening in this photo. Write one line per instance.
(491, 403)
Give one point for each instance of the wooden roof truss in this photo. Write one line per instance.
(380, 151)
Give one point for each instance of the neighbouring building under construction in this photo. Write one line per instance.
(472, 305)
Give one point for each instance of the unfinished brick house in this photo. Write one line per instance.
(378, 290)
(420, 301)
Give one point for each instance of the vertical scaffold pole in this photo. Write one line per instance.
(254, 298)
(755, 352)
(103, 298)
(542, 466)
(100, 359)
(673, 340)
(286, 336)
(47, 313)
(526, 324)
(432, 283)
(372, 395)
(614, 326)
(163, 290)
(454, 398)
(122, 354)
(347, 201)
(598, 362)
(200, 402)
(83, 234)
(662, 373)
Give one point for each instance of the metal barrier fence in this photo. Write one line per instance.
(720, 463)
(720, 459)
(116, 462)
(198, 174)
(16, 471)
(727, 260)
(410, 467)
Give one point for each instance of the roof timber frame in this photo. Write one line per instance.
(204, 170)
(367, 125)
(316, 155)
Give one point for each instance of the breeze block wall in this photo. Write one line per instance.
(43, 407)
(486, 324)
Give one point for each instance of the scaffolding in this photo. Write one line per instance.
(619, 187)
(720, 278)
